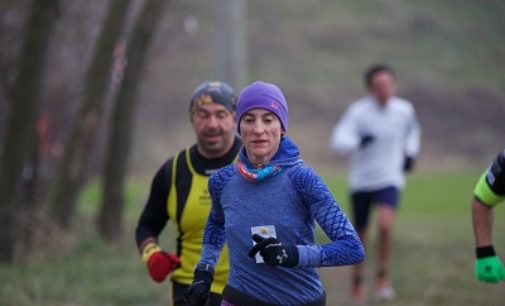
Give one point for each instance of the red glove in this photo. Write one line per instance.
(159, 263)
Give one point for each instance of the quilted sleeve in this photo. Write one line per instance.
(345, 247)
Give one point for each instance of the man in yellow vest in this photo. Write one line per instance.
(179, 193)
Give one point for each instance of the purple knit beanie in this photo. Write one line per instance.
(265, 96)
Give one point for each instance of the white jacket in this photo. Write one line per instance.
(397, 134)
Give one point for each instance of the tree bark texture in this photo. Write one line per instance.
(21, 121)
(110, 217)
(71, 172)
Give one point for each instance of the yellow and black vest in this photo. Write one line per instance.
(188, 206)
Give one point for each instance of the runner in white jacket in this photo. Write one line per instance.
(382, 134)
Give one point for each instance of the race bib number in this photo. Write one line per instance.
(265, 231)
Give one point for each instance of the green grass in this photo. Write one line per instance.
(429, 42)
(433, 254)
(434, 246)
(135, 193)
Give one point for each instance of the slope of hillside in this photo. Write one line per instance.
(449, 59)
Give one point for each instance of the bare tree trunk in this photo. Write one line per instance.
(26, 202)
(72, 170)
(21, 122)
(110, 216)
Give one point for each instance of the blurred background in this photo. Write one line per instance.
(94, 97)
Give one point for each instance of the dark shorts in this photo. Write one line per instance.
(178, 294)
(362, 202)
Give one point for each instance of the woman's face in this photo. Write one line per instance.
(261, 132)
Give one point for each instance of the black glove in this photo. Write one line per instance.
(198, 293)
(273, 252)
(366, 140)
(408, 164)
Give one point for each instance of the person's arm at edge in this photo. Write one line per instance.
(482, 218)
(483, 201)
(488, 266)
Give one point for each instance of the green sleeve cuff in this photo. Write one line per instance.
(484, 193)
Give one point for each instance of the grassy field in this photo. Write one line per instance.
(434, 249)
(433, 255)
